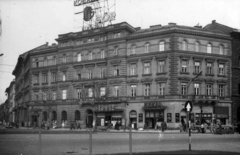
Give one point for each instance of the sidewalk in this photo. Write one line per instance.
(31, 130)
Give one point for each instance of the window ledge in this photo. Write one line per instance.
(133, 76)
(221, 75)
(187, 73)
(147, 74)
(162, 73)
(209, 74)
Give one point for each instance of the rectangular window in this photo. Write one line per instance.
(116, 71)
(54, 95)
(64, 94)
(79, 57)
(36, 96)
(146, 48)
(102, 91)
(44, 95)
(64, 59)
(221, 69)
(102, 54)
(133, 69)
(133, 50)
(197, 67)
(79, 93)
(162, 88)
(53, 77)
(161, 46)
(102, 73)
(177, 117)
(196, 88)
(79, 76)
(116, 90)
(90, 74)
(90, 56)
(35, 78)
(116, 51)
(45, 78)
(209, 68)
(133, 90)
(209, 89)
(64, 76)
(147, 89)
(184, 66)
(221, 90)
(146, 68)
(90, 92)
(184, 89)
(161, 66)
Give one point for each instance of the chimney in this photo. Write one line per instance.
(214, 21)
(172, 24)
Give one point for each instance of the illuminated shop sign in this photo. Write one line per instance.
(81, 2)
(153, 105)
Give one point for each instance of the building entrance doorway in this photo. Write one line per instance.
(154, 118)
(89, 119)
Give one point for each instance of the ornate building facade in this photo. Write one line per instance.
(129, 75)
(10, 103)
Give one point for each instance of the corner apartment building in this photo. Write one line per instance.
(131, 75)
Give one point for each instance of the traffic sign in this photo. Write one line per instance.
(188, 106)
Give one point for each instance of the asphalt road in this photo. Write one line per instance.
(110, 143)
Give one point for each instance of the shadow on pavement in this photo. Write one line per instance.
(182, 152)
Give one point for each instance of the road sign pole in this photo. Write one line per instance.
(130, 140)
(90, 141)
(189, 127)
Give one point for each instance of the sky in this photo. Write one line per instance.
(27, 24)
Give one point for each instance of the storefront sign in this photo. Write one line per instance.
(81, 2)
(107, 107)
(153, 105)
(140, 117)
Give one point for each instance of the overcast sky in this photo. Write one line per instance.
(27, 24)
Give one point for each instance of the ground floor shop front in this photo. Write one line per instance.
(136, 115)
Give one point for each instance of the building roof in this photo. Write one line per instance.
(214, 26)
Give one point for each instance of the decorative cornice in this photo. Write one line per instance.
(197, 58)
(147, 59)
(222, 60)
(210, 59)
(185, 57)
(160, 79)
(146, 80)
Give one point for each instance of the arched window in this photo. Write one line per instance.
(209, 48)
(221, 50)
(197, 48)
(77, 115)
(79, 57)
(64, 115)
(161, 46)
(184, 45)
(54, 116)
(44, 116)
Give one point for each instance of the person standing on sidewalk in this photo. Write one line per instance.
(202, 128)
